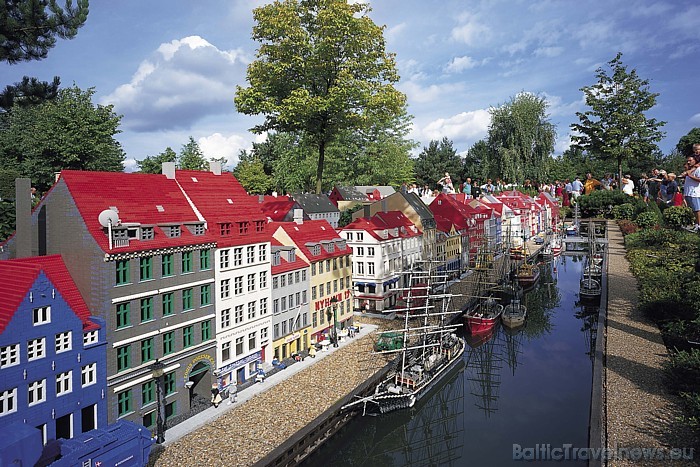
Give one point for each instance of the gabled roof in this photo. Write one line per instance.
(443, 223)
(417, 204)
(18, 276)
(448, 207)
(277, 209)
(286, 266)
(312, 232)
(315, 204)
(351, 193)
(148, 199)
(383, 190)
(385, 221)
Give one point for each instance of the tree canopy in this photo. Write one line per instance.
(520, 139)
(436, 159)
(29, 28)
(251, 174)
(685, 144)
(616, 127)
(321, 69)
(28, 92)
(154, 164)
(191, 157)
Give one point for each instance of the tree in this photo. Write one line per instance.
(191, 157)
(475, 162)
(321, 69)
(29, 28)
(68, 132)
(616, 128)
(154, 164)
(521, 139)
(251, 174)
(436, 159)
(685, 144)
(28, 92)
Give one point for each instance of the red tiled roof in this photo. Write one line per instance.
(313, 231)
(443, 224)
(18, 276)
(286, 266)
(384, 220)
(277, 209)
(450, 208)
(147, 199)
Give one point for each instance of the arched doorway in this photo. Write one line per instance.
(198, 390)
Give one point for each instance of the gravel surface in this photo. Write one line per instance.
(640, 411)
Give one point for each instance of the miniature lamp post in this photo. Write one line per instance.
(334, 302)
(157, 373)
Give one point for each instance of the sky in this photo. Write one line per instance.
(171, 67)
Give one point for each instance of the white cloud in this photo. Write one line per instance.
(465, 125)
(470, 31)
(548, 52)
(218, 145)
(183, 81)
(459, 64)
(422, 94)
(391, 34)
(695, 118)
(130, 165)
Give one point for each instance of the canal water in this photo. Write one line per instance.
(515, 393)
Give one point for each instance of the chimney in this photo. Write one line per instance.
(23, 205)
(366, 211)
(215, 167)
(169, 170)
(261, 199)
(299, 216)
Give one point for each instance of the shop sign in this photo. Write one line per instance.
(326, 302)
(239, 363)
(196, 360)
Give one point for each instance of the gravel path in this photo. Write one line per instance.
(640, 411)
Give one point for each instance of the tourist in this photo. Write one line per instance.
(691, 187)
(644, 187)
(215, 395)
(446, 183)
(590, 184)
(627, 185)
(576, 187)
(654, 183)
(671, 188)
(467, 188)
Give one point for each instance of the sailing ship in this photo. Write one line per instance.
(527, 275)
(430, 348)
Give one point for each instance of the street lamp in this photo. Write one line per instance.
(334, 302)
(157, 372)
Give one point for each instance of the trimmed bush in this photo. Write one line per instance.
(599, 202)
(647, 220)
(677, 217)
(683, 370)
(623, 211)
(627, 227)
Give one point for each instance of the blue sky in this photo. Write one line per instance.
(170, 67)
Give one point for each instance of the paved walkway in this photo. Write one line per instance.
(208, 415)
(640, 411)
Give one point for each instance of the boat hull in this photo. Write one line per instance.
(529, 280)
(514, 316)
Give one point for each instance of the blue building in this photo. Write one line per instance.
(53, 373)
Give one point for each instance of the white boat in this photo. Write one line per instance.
(514, 314)
(429, 350)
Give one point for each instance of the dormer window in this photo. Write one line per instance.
(147, 233)
(196, 229)
(172, 231)
(316, 250)
(243, 228)
(225, 228)
(329, 247)
(292, 255)
(276, 258)
(259, 226)
(120, 234)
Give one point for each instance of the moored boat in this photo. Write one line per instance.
(527, 275)
(590, 289)
(483, 316)
(514, 314)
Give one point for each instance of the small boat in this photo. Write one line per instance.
(590, 289)
(514, 314)
(477, 340)
(556, 247)
(518, 253)
(547, 252)
(483, 316)
(571, 231)
(527, 275)
(593, 270)
(597, 259)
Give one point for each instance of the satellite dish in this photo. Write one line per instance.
(108, 217)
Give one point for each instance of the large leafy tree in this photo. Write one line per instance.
(436, 159)
(616, 127)
(475, 162)
(191, 157)
(28, 92)
(521, 139)
(321, 69)
(29, 28)
(68, 132)
(251, 173)
(154, 164)
(685, 144)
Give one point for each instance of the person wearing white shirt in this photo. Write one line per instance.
(627, 185)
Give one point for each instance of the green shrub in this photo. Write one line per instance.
(647, 220)
(565, 211)
(627, 227)
(691, 403)
(623, 211)
(655, 238)
(666, 311)
(599, 202)
(683, 370)
(678, 216)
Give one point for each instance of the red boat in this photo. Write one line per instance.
(477, 340)
(527, 275)
(518, 253)
(483, 316)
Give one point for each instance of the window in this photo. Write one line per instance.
(328, 265)
(166, 265)
(250, 254)
(263, 306)
(276, 258)
(298, 298)
(263, 279)
(123, 358)
(124, 403)
(225, 228)
(186, 262)
(170, 410)
(276, 332)
(370, 268)
(37, 392)
(251, 310)
(251, 282)
(205, 295)
(291, 301)
(262, 253)
(237, 256)
(223, 259)
(284, 304)
(242, 228)
(315, 319)
(313, 293)
(206, 330)
(88, 375)
(169, 383)
(284, 327)
(370, 251)
(320, 291)
(349, 235)
(63, 342)
(342, 283)
(8, 401)
(290, 278)
(313, 269)
(187, 300)
(188, 336)
(360, 268)
(283, 280)
(251, 341)
(303, 296)
(238, 285)
(167, 304)
(146, 309)
(147, 233)
(225, 288)
(276, 306)
(148, 392)
(296, 277)
(36, 349)
(123, 276)
(147, 350)
(292, 255)
(198, 229)
(226, 351)
(360, 236)
(259, 226)
(64, 383)
(172, 231)
(123, 315)
(41, 315)
(347, 261)
(275, 282)
(335, 285)
(303, 274)
(238, 314)
(263, 334)
(9, 355)
(335, 264)
(168, 342)
(360, 251)
(226, 318)
(239, 345)
(146, 268)
(204, 260)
